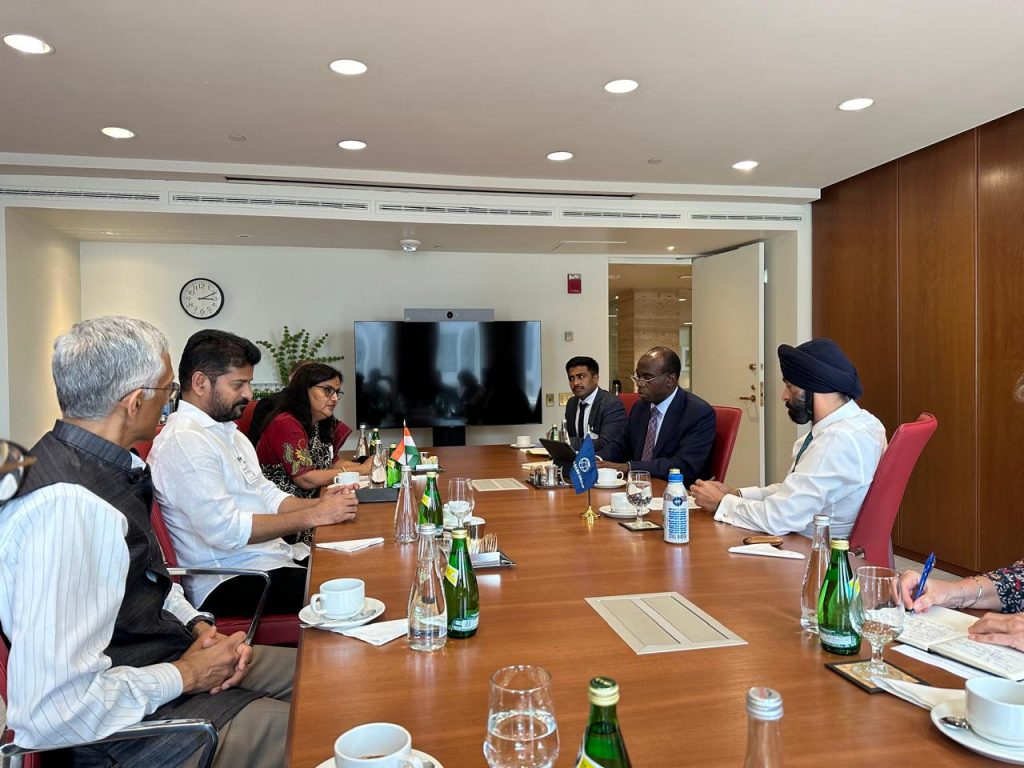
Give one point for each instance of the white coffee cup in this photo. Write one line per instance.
(339, 598)
(346, 478)
(620, 503)
(375, 745)
(995, 710)
(524, 440)
(607, 475)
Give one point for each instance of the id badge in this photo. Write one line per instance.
(250, 477)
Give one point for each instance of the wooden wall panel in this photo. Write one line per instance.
(937, 201)
(1000, 338)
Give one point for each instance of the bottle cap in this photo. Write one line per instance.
(764, 703)
(427, 529)
(394, 445)
(459, 533)
(675, 476)
(603, 691)
(840, 544)
(822, 519)
(431, 474)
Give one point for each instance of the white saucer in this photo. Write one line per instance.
(308, 616)
(616, 484)
(521, 448)
(970, 739)
(417, 752)
(607, 511)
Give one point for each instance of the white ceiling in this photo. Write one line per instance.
(461, 87)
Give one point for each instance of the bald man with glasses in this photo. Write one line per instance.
(668, 428)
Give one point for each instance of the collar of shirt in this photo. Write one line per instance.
(90, 442)
(664, 404)
(590, 400)
(202, 418)
(845, 411)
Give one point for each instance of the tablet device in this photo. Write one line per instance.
(561, 453)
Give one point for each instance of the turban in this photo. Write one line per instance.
(819, 365)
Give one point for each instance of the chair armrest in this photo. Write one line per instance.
(176, 571)
(857, 552)
(11, 753)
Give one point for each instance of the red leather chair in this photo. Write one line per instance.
(727, 426)
(872, 533)
(273, 629)
(629, 399)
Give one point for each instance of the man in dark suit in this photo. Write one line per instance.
(593, 410)
(668, 428)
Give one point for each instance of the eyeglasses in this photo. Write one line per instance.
(330, 391)
(646, 378)
(173, 389)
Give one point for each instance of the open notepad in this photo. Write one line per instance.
(944, 632)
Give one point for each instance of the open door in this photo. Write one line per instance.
(727, 348)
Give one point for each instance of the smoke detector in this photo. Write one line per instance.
(409, 246)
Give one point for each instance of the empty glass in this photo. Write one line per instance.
(877, 614)
(461, 499)
(521, 727)
(638, 492)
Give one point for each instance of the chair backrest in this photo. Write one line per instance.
(156, 518)
(245, 419)
(872, 532)
(143, 447)
(629, 399)
(727, 426)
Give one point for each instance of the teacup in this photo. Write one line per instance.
(346, 478)
(375, 745)
(620, 503)
(524, 440)
(995, 710)
(608, 476)
(339, 598)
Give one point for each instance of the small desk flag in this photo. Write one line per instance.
(584, 466)
(406, 451)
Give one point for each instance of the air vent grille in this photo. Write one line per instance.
(79, 194)
(268, 202)
(580, 213)
(745, 217)
(465, 210)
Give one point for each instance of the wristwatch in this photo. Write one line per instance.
(201, 616)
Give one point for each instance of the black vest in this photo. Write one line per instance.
(144, 633)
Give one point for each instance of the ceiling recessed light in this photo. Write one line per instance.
(108, 232)
(670, 248)
(237, 137)
(616, 298)
(118, 133)
(855, 105)
(409, 245)
(352, 144)
(28, 44)
(348, 67)
(560, 157)
(685, 277)
(621, 86)
(745, 165)
(682, 299)
(687, 323)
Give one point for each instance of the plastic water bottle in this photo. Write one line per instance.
(676, 509)
(428, 619)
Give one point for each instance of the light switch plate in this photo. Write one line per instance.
(549, 400)
(569, 336)
(563, 397)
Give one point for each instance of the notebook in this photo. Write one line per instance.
(944, 632)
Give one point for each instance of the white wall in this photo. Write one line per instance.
(325, 290)
(780, 327)
(43, 299)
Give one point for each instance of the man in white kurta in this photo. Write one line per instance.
(833, 464)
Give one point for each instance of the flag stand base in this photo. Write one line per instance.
(590, 515)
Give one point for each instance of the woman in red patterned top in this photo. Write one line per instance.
(299, 445)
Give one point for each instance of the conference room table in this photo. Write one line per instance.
(676, 709)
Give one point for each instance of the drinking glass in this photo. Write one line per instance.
(521, 727)
(461, 499)
(877, 614)
(638, 491)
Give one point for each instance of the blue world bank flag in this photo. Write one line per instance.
(584, 466)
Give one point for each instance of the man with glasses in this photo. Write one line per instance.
(668, 428)
(591, 410)
(100, 637)
(219, 508)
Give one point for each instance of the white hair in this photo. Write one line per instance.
(101, 360)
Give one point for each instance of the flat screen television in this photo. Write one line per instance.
(447, 374)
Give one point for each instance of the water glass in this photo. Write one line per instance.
(521, 727)
(877, 614)
(638, 491)
(461, 498)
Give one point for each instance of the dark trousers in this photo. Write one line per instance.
(239, 596)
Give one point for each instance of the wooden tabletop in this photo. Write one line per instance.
(684, 708)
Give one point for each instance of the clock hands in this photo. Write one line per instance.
(208, 297)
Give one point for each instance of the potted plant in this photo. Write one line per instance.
(293, 348)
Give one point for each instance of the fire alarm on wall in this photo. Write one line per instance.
(575, 282)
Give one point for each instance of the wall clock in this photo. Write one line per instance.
(201, 298)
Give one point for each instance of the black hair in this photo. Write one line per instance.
(214, 353)
(589, 362)
(294, 399)
(669, 360)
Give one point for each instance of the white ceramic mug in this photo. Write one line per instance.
(346, 478)
(375, 745)
(339, 598)
(620, 503)
(995, 710)
(607, 475)
(524, 440)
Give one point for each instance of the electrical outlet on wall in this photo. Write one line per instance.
(549, 400)
(569, 336)
(563, 397)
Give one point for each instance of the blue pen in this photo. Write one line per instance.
(928, 565)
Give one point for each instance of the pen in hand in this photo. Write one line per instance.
(928, 565)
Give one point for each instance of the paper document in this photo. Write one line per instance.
(499, 484)
(942, 631)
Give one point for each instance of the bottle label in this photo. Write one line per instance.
(838, 639)
(452, 574)
(466, 623)
(586, 762)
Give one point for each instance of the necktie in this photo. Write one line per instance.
(582, 422)
(807, 441)
(652, 435)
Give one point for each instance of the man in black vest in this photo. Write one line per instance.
(100, 637)
(592, 410)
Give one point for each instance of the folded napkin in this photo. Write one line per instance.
(379, 633)
(765, 550)
(353, 545)
(923, 696)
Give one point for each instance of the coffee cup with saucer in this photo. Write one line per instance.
(377, 745)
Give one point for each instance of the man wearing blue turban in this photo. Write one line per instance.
(833, 464)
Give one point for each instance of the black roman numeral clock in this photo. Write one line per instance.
(201, 298)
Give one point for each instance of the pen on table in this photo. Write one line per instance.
(928, 565)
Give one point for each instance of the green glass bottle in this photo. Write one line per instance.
(603, 745)
(394, 469)
(374, 440)
(460, 591)
(837, 590)
(430, 505)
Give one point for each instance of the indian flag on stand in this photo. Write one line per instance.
(406, 451)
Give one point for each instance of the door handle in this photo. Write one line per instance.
(750, 398)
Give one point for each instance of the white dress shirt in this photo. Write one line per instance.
(63, 565)
(589, 400)
(209, 485)
(831, 478)
(663, 408)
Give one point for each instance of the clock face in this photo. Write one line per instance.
(201, 298)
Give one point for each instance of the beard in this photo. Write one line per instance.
(801, 410)
(223, 410)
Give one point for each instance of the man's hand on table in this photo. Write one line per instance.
(709, 493)
(337, 504)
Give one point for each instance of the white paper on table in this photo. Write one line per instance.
(924, 696)
(765, 550)
(958, 669)
(378, 633)
(352, 545)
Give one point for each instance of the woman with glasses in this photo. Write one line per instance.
(299, 444)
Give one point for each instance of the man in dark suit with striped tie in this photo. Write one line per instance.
(592, 410)
(668, 428)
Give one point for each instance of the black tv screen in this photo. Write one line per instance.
(448, 374)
